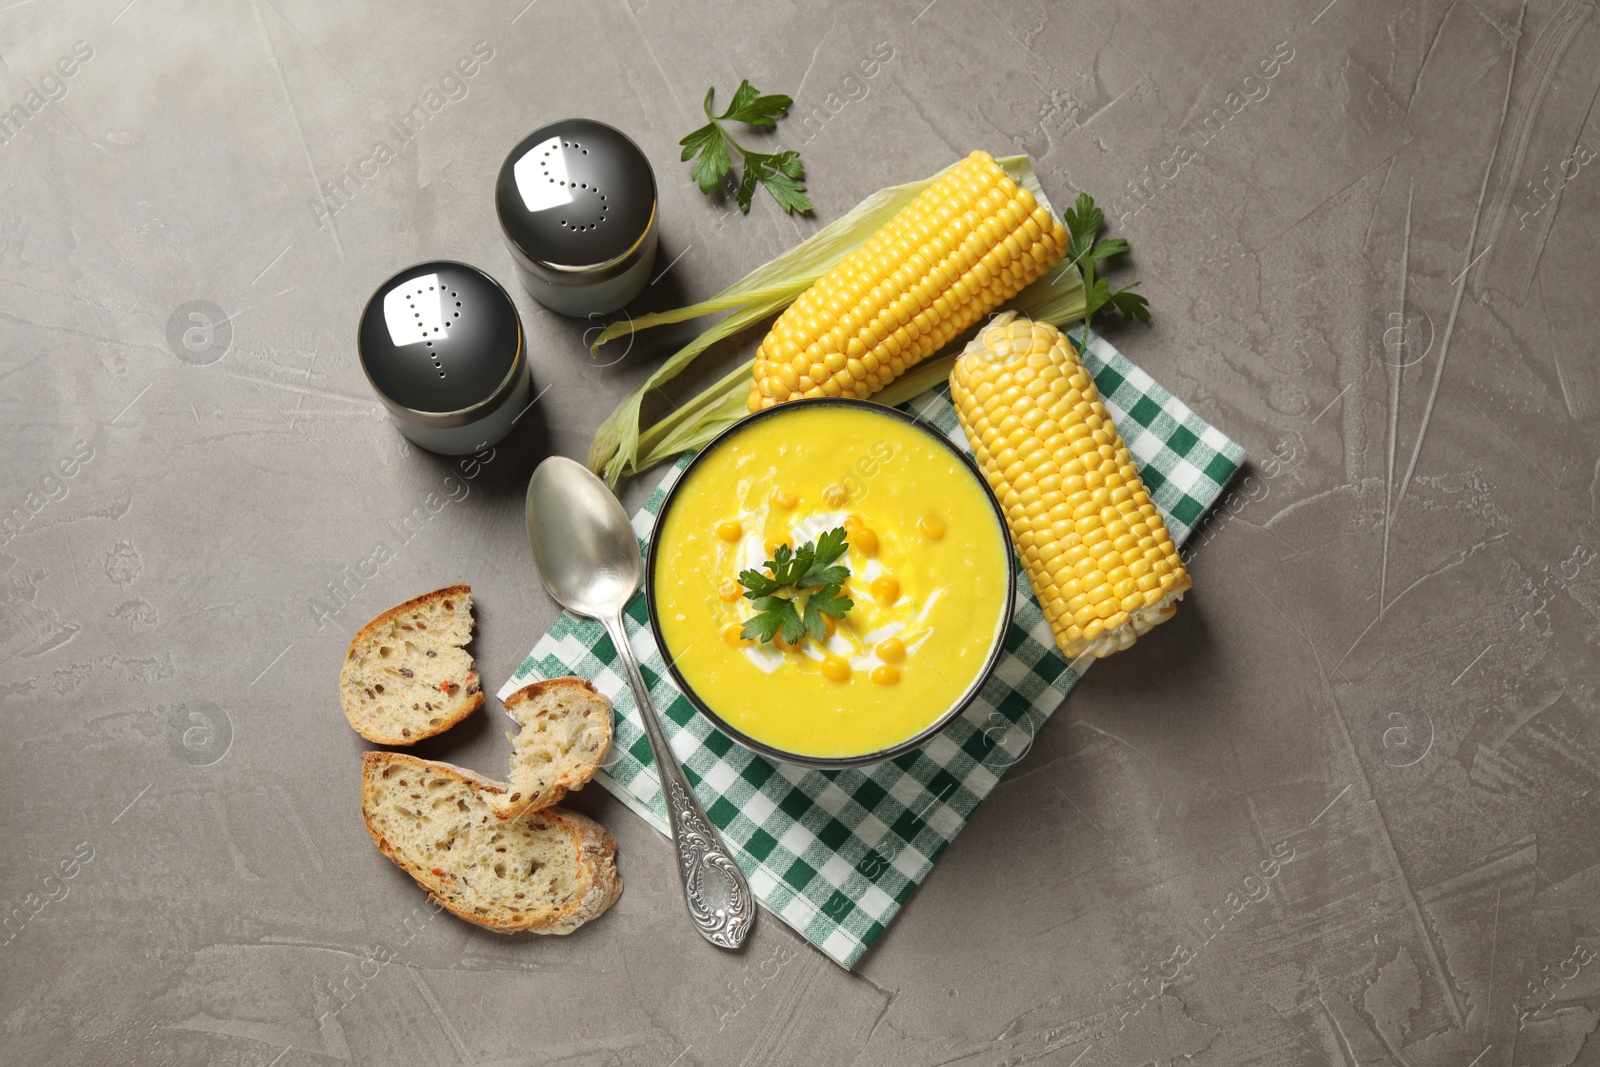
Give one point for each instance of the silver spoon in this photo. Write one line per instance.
(588, 557)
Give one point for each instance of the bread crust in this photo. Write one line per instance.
(596, 851)
(587, 765)
(599, 850)
(535, 689)
(374, 630)
(415, 602)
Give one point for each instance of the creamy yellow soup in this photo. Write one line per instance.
(929, 578)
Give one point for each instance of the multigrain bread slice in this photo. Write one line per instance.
(408, 675)
(566, 729)
(550, 871)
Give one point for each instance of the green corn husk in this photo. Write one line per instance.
(621, 447)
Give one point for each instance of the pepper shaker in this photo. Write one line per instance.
(577, 206)
(442, 345)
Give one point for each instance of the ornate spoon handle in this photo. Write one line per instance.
(719, 898)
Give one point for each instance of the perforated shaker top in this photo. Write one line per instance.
(439, 337)
(576, 195)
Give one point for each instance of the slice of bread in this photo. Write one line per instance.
(550, 871)
(566, 729)
(408, 675)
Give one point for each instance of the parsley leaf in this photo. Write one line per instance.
(758, 584)
(827, 548)
(774, 613)
(1130, 303)
(1111, 246)
(781, 172)
(812, 580)
(825, 601)
(753, 109)
(713, 162)
(1084, 221)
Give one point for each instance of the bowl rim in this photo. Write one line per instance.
(968, 696)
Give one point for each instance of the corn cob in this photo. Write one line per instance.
(1094, 546)
(966, 245)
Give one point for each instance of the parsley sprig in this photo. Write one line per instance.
(781, 172)
(809, 571)
(1084, 221)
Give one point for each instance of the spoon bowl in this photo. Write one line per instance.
(583, 545)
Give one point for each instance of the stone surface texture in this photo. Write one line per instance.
(1343, 810)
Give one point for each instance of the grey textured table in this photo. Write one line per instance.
(1343, 810)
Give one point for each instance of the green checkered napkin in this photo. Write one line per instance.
(836, 854)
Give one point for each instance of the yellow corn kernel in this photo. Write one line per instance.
(781, 645)
(884, 674)
(1093, 544)
(732, 633)
(728, 591)
(836, 495)
(965, 245)
(886, 589)
(782, 498)
(932, 526)
(835, 668)
(730, 530)
(891, 650)
(861, 537)
(773, 544)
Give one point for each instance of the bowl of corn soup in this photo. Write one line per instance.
(830, 582)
